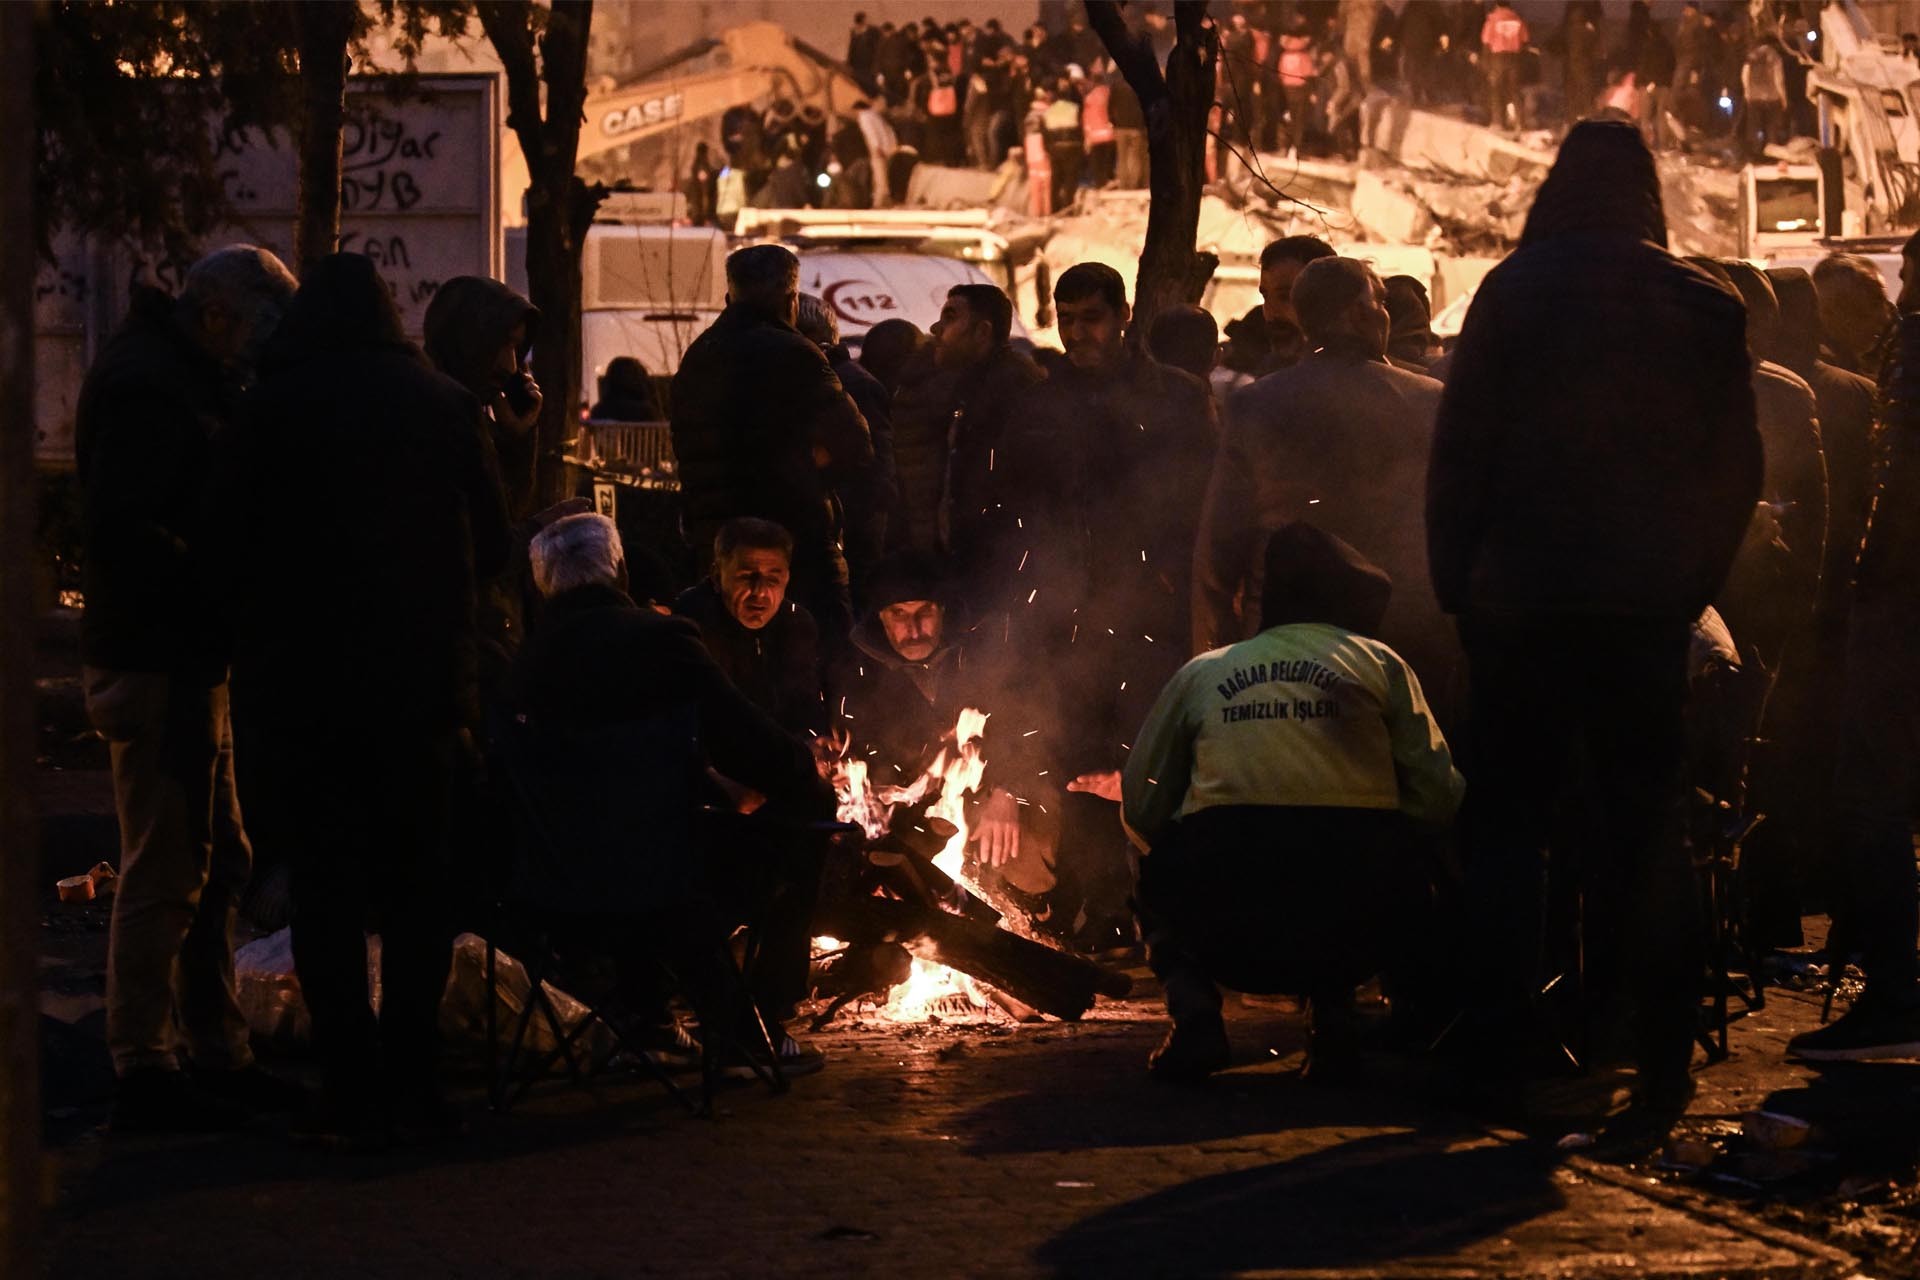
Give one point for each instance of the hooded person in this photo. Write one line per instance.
(914, 666)
(361, 512)
(1278, 792)
(480, 333)
(1595, 466)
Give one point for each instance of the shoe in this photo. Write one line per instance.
(162, 1100)
(671, 1047)
(1644, 1127)
(1193, 1050)
(1870, 1030)
(796, 1059)
(253, 1087)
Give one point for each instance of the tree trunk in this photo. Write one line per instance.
(560, 209)
(324, 27)
(20, 1119)
(1175, 104)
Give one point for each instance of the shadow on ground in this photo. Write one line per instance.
(1375, 1200)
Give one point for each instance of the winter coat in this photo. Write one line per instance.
(869, 504)
(922, 411)
(897, 714)
(1596, 450)
(1889, 567)
(467, 323)
(776, 667)
(1774, 584)
(359, 510)
(599, 660)
(751, 401)
(1341, 441)
(148, 408)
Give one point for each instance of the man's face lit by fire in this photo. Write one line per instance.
(960, 338)
(1091, 331)
(1276, 293)
(753, 582)
(913, 628)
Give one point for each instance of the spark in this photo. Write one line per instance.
(1147, 638)
(1023, 560)
(1031, 594)
(1029, 733)
(1041, 774)
(1143, 555)
(1123, 686)
(843, 704)
(1313, 502)
(989, 459)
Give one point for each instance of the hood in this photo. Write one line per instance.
(468, 322)
(342, 304)
(1799, 335)
(1763, 308)
(1313, 576)
(1603, 182)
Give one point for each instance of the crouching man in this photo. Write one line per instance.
(897, 700)
(768, 645)
(1279, 790)
(599, 661)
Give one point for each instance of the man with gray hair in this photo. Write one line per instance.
(1340, 438)
(156, 688)
(763, 427)
(599, 660)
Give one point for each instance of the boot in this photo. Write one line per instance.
(1193, 1050)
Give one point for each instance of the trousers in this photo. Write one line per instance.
(1276, 899)
(1547, 692)
(184, 862)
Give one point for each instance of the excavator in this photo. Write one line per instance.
(692, 88)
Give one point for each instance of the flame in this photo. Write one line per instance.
(957, 771)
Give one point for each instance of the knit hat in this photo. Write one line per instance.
(1313, 576)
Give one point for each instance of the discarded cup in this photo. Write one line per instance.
(75, 889)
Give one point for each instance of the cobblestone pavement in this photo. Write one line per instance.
(1024, 1151)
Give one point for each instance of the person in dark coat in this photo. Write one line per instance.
(1411, 345)
(1092, 559)
(962, 436)
(762, 427)
(155, 678)
(887, 348)
(360, 511)
(869, 509)
(1877, 912)
(1280, 265)
(897, 697)
(1595, 466)
(600, 660)
(480, 333)
(627, 393)
(1342, 438)
(768, 645)
(1186, 338)
(1855, 316)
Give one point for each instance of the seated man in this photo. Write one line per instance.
(767, 644)
(897, 698)
(1277, 789)
(598, 660)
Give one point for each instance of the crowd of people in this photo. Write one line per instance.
(1449, 609)
(1051, 113)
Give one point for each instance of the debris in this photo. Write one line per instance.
(1574, 1142)
(75, 889)
(1774, 1131)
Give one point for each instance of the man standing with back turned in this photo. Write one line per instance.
(1595, 464)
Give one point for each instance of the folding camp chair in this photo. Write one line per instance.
(604, 830)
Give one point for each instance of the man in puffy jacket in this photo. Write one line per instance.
(768, 646)
(1595, 466)
(762, 427)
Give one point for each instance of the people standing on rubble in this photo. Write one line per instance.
(1280, 265)
(1298, 70)
(936, 104)
(1283, 792)
(1129, 134)
(155, 679)
(360, 477)
(1763, 87)
(1033, 141)
(1581, 55)
(1341, 439)
(768, 645)
(897, 60)
(1421, 36)
(1582, 510)
(1066, 146)
(776, 444)
(1096, 124)
(1358, 19)
(1878, 911)
(1504, 37)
